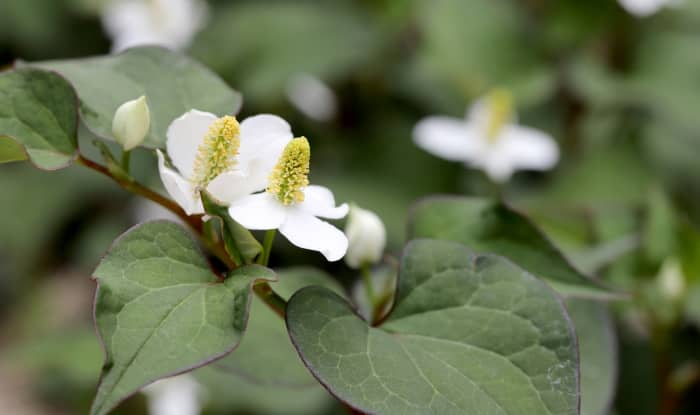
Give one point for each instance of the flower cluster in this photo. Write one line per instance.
(259, 170)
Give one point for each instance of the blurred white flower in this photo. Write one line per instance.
(131, 123)
(488, 138)
(671, 281)
(312, 97)
(180, 395)
(366, 237)
(169, 23)
(292, 206)
(217, 154)
(644, 8)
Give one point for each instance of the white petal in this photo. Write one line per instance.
(185, 134)
(180, 395)
(496, 165)
(179, 188)
(450, 138)
(231, 186)
(319, 201)
(643, 8)
(308, 232)
(259, 130)
(312, 97)
(258, 211)
(528, 148)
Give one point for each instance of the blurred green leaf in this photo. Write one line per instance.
(597, 343)
(172, 83)
(492, 227)
(160, 310)
(328, 41)
(39, 110)
(265, 356)
(468, 334)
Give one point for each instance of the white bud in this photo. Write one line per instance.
(131, 123)
(366, 237)
(671, 281)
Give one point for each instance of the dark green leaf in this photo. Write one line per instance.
(160, 310)
(489, 226)
(38, 109)
(469, 334)
(173, 84)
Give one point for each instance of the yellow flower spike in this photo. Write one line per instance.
(499, 103)
(291, 174)
(218, 151)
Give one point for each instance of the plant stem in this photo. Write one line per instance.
(264, 257)
(271, 298)
(263, 289)
(126, 160)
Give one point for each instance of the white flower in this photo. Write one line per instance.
(169, 23)
(366, 237)
(292, 206)
(488, 138)
(180, 395)
(312, 97)
(131, 123)
(217, 154)
(644, 8)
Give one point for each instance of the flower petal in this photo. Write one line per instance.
(453, 139)
(307, 231)
(231, 186)
(258, 211)
(185, 135)
(179, 188)
(319, 201)
(528, 148)
(258, 131)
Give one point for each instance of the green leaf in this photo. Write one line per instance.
(597, 343)
(489, 226)
(469, 334)
(37, 109)
(265, 355)
(160, 310)
(173, 84)
(239, 242)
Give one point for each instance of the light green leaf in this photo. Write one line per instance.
(489, 226)
(173, 84)
(239, 242)
(265, 355)
(597, 343)
(160, 310)
(469, 334)
(38, 109)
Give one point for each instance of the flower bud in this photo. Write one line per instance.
(131, 123)
(671, 281)
(366, 237)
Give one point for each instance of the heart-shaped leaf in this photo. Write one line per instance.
(469, 334)
(490, 226)
(160, 310)
(38, 118)
(172, 82)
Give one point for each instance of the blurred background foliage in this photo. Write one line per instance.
(621, 94)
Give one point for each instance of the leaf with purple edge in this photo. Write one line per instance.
(469, 334)
(160, 310)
